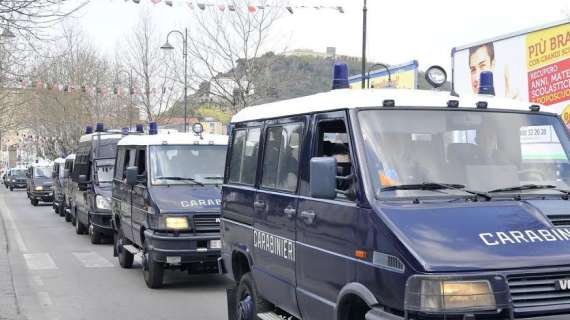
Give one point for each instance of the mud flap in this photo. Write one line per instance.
(231, 300)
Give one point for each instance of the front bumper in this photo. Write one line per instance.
(101, 221)
(46, 196)
(380, 314)
(191, 248)
(17, 185)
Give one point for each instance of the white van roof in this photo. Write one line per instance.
(173, 139)
(59, 160)
(70, 157)
(351, 99)
(103, 135)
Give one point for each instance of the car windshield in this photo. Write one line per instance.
(43, 172)
(104, 170)
(188, 164)
(18, 173)
(481, 150)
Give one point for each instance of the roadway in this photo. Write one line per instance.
(48, 272)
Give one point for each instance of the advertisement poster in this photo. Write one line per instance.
(531, 66)
(402, 76)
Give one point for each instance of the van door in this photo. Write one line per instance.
(123, 192)
(139, 197)
(275, 207)
(326, 229)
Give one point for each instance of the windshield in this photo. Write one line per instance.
(43, 172)
(104, 170)
(480, 150)
(18, 173)
(183, 164)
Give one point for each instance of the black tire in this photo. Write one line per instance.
(79, 227)
(11, 188)
(248, 300)
(94, 236)
(124, 256)
(34, 202)
(67, 215)
(153, 271)
(61, 210)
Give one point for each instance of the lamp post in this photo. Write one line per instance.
(129, 112)
(387, 70)
(364, 24)
(168, 46)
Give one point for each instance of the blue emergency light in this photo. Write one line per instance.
(140, 128)
(340, 76)
(486, 83)
(152, 128)
(99, 127)
(88, 130)
(125, 130)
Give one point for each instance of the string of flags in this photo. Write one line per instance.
(251, 8)
(88, 89)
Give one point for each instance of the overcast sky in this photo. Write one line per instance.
(399, 31)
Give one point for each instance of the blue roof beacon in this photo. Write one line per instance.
(394, 204)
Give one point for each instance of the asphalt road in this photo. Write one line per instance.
(48, 272)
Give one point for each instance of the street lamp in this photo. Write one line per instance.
(364, 24)
(168, 46)
(129, 112)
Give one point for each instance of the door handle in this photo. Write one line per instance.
(259, 204)
(290, 212)
(309, 216)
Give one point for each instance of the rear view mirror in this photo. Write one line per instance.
(66, 173)
(323, 177)
(131, 175)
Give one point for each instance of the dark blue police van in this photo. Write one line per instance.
(397, 204)
(166, 201)
(92, 178)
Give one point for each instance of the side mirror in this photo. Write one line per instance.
(66, 173)
(83, 179)
(323, 177)
(132, 174)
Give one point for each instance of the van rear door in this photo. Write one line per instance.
(275, 209)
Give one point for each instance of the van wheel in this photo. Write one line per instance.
(61, 211)
(153, 271)
(34, 202)
(248, 301)
(94, 236)
(11, 188)
(67, 215)
(124, 256)
(79, 227)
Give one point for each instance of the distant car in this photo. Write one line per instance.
(39, 185)
(16, 179)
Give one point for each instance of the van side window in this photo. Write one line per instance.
(119, 164)
(281, 157)
(333, 142)
(141, 162)
(243, 161)
(129, 161)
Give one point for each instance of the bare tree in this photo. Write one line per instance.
(225, 47)
(152, 74)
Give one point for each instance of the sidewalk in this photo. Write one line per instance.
(9, 309)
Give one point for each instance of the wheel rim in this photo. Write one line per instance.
(245, 308)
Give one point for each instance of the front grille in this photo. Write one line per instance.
(206, 223)
(560, 220)
(538, 291)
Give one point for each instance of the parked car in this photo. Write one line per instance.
(16, 178)
(68, 187)
(58, 191)
(39, 185)
(166, 202)
(92, 177)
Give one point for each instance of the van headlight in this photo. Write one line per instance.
(39, 188)
(174, 223)
(102, 203)
(433, 295)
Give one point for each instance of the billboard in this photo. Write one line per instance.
(531, 65)
(403, 76)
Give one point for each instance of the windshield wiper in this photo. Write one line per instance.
(436, 186)
(181, 179)
(526, 187)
